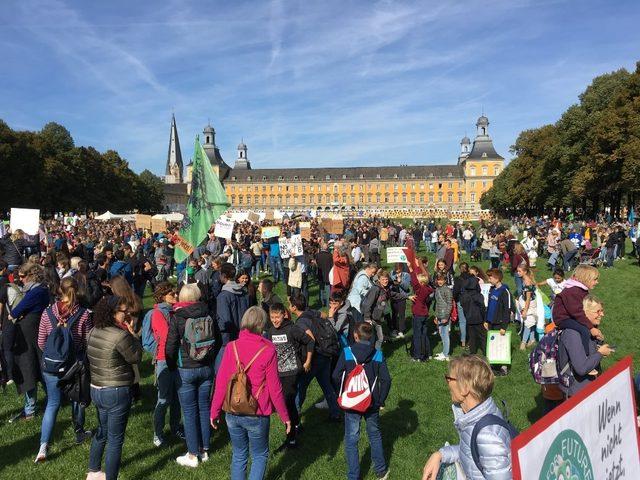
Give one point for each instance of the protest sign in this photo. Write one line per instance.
(396, 255)
(285, 247)
(224, 228)
(25, 219)
(158, 225)
(591, 436)
(295, 245)
(253, 217)
(305, 230)
(143, 221)
(499, 347)
(268, 215)
(270, 232)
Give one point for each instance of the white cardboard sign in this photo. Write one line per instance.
(295, 245)
(396, 255)
(224, 228)
(25, 219)
(591, 436)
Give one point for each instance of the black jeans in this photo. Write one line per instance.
(398, 315)
(476, 338)
(289, 391)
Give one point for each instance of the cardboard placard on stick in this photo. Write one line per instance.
(25, 219)
(143, 221)
(158, 225)
(268, 215)
(253, 217)
(224, 228)
(305, 230)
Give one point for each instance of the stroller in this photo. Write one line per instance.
(591, 257)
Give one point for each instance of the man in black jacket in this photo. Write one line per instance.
(324, 261)
(363, 353)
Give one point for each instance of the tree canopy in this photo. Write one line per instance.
(590, 158)
(46, 170)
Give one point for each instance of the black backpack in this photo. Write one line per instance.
(326, 337)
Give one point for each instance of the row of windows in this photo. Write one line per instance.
(335, 187)
(302, 200)
(485, 171)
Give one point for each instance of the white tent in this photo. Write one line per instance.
(115, 216)
(169, 217)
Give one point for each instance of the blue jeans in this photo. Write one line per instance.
(421, 345)
(462, 322)
(568, 258)
(427, 245)
(352, 436)
(321, 371)
(112, 406)
(277, 271)
(54, 397)
(167, 383)
(249, 435)
(194, 391)
(30, 399)
(443, 330)
(610, 256)
(324, 291)
(553, 258)
(528, 333)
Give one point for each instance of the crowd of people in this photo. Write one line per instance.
(221, 339)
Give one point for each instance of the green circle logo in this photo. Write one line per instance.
(567, 459)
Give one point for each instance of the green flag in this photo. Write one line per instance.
(207, 203)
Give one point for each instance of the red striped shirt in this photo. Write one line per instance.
(79, 332)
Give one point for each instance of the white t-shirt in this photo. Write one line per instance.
(434, 236)
(555, 287)
(467, 234)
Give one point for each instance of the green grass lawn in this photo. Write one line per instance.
(416, 421)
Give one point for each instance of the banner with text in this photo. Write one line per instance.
(396, 255)
(224, 228)
(270, 232)
(591, 436)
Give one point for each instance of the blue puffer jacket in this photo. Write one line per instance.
(494, 444)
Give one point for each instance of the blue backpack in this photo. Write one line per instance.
(59, 352)
(149, 341)
(485, 421)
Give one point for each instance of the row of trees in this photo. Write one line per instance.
(588, 159)
(46, 170)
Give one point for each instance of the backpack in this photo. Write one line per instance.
(326, 337)
(238, 399)
(355, 393)
(59, 354)
(120, 270)
(485, 421)
(543, 361)
(14, 296)
(76, 384)
(199, 337)
(149, 341)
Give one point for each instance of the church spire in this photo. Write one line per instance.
(173, 171)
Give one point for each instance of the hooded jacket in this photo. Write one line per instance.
(374, 366)
(472, 301)
(230, 307)
(292, 345)
(374, 304)
(176, 353)
(359, 288)
(568, 304)
(494, 444)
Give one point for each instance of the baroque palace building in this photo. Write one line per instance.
(455, 187)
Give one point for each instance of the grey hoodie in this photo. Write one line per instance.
(231, 304)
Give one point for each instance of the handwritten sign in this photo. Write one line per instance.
(295, 245)
(591, 436)
(224, 228)
(158, 225)
(305, 230)
(396, 255)
(253, 217)
(285, 247)
(499, 347)
(270, 232)
(25, 219)
(143, 221)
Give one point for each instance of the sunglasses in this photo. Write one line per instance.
(21, 275)
(449, 379)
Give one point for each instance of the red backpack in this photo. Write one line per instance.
(355, 394)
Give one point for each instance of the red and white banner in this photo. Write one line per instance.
(591, 436)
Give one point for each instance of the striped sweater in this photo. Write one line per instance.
(80, 330)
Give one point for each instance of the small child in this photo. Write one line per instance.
(499, 309)
(362, 352)
(443, 304)
(294, 349)
(556, 283)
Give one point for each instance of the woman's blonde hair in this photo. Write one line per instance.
(472, 372)
(190, 293)
(33, 270)
(591, 303)
(74, 262)
(68, 291)
(17, 235)
(422, 278)
(254, 320)
(585, 273)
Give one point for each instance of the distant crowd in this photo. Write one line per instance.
(225, 345)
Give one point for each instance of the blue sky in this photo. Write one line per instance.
(328, 83)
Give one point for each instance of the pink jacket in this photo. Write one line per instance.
(264, 367)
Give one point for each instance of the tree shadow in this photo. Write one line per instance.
(537, 412)
(400, 422)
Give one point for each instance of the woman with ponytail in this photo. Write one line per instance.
(64, 313)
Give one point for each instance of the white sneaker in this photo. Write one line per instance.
(204, 457)
(42, 454)
(188, 460)
(440, 357)
(400, 335)
(157, 441)
(323, 405)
